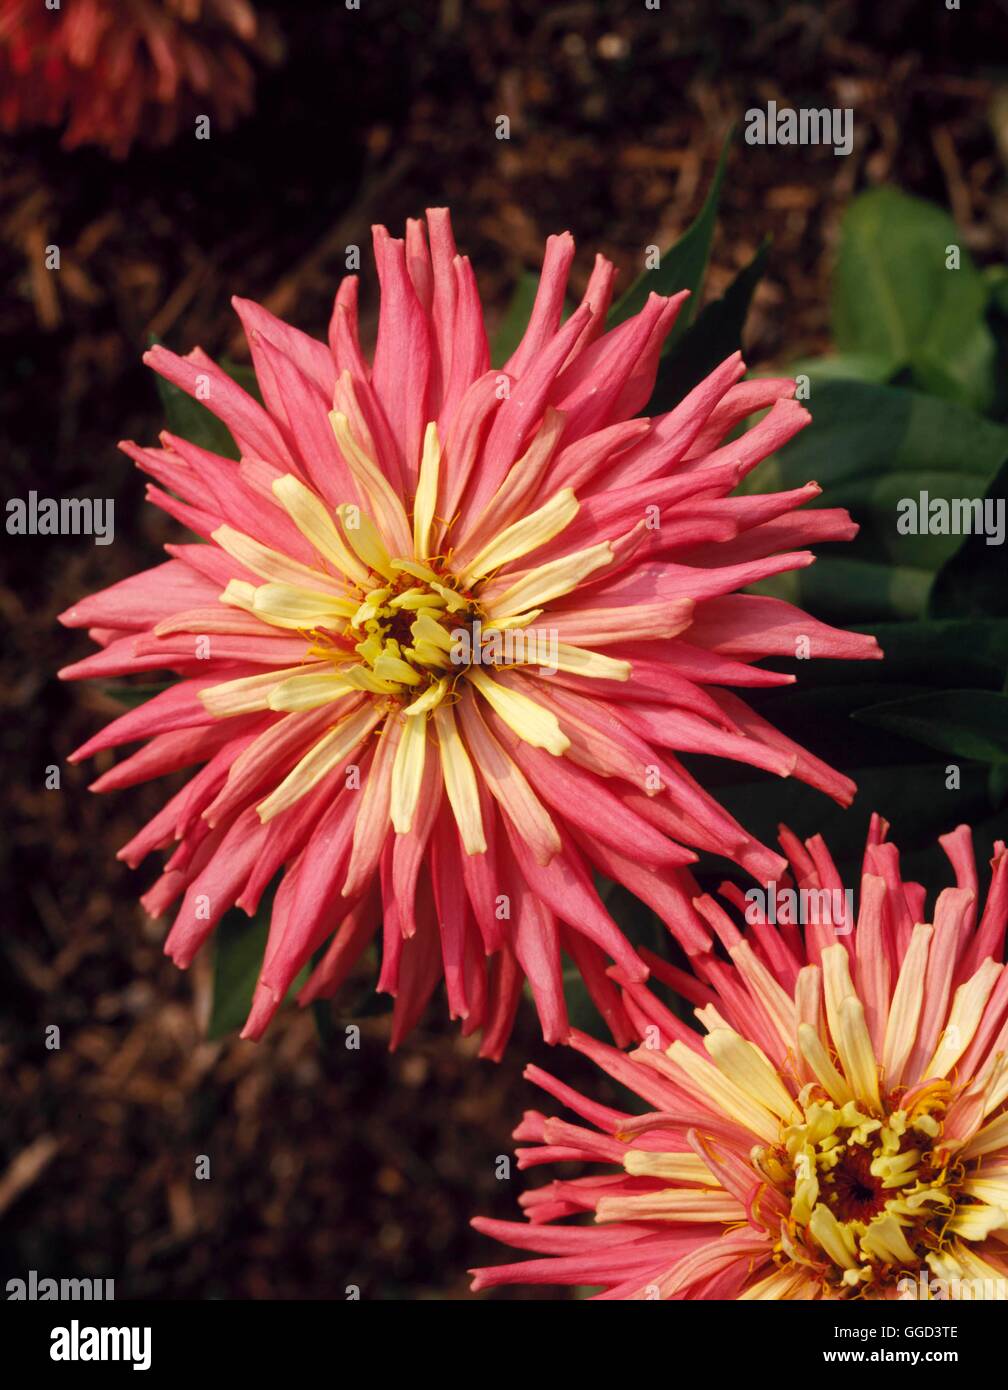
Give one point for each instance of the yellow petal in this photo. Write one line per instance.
(430, 699)
(671, 1204)
(393, 668)
(407, 772)
(549, 581)
(837, 983)
(523, 536)
(425, 629)
(386, 506)
(284, 605)
(854, 1047)
(778, 1004)
(247, 694)
(988, 1279)
(238, 593)
(426, 654)
(460, 781)
(530, 721)
(967, 1011)
(522, 479)
(783, 1285)
(977, 1222)
(884, 1241)
(836, 1240)
(312, 519)
(364, 539)
(270, 564)
(416, 569)
(512, 620)
(507, 784)
(364, 678)
(308, 691)
(684, 1168)
(988, 1140)
(814, 1051)
(744, 1064)
(582, 662)
(425, 501)
(746, 1110)
(415, 599)
(991, 1186)
(453, 600)
(904, 1012)
(325, 755)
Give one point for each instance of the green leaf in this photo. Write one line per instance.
(239, 944)
(856, 366)
(848, 591)
(239, 947)
(913, 796)
(933, 654)
(716, 334)
(860, 429)
(133, 695)
(869, 447)
(968, 723)
(896, 773)
(974, 581)
(997, 785)
(896, 299)
(190, 419)
(682, 266)
(939, 652)
(244, 375)
(997, 280)
(512, 326)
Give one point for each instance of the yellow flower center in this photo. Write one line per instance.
(871, 1192)
(410, 631)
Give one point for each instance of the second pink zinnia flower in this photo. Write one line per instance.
(838, 1130)
(446, 631)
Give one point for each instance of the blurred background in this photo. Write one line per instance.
(332, 1168)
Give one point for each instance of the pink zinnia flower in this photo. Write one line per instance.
(841, 1130)
(361, 639)
(119, 70)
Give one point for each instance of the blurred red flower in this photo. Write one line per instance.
(117, 71)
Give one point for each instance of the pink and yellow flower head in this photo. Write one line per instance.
(114, 71)
(839, 1130)
(444, 635)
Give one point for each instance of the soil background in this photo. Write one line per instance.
(337, 1168)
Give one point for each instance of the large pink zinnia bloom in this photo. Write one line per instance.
(114, 71)
(358, 637)
(840, 1131)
